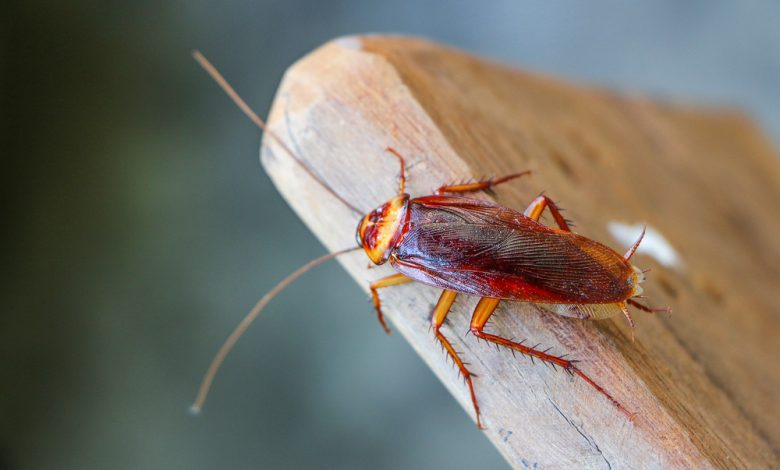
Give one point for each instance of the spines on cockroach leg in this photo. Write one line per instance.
(483, 312)
(629, 414)
(228, 89)
(208, 378)
(627, 314)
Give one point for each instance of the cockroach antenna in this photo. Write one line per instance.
(219, 358)
(214, 73)
(409, 232)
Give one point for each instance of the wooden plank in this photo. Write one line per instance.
(703, 382)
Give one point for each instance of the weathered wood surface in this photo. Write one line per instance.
(704, 382)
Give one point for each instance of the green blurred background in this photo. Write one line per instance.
(139, 226)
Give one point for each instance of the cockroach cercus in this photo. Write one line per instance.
(474, 247)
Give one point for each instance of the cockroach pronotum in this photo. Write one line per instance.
(474, 247)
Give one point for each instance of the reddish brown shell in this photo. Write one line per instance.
(479, 248)
(379, 231)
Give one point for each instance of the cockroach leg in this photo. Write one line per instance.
(437, 319)
(535, 209)
(479, 185)
(402, 175)
(482, 313)
(392, 280)
(647, 309)
(630, 320)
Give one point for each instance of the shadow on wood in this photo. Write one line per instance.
(702, 382)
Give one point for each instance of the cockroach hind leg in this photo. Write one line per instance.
(568, 365)
(484, 310)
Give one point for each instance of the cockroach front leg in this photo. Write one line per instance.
(482, 313)
(535, 209)
(437, 319)
(479, 185)
(392, 280)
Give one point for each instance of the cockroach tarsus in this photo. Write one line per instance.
(474, 247)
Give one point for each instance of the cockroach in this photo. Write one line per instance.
(474, 247)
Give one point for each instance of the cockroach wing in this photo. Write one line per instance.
(479, 248)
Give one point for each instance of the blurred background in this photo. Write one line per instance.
(139, 226)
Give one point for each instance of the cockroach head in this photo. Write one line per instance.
(379, 231)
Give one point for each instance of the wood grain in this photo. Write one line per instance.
(703, 382)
